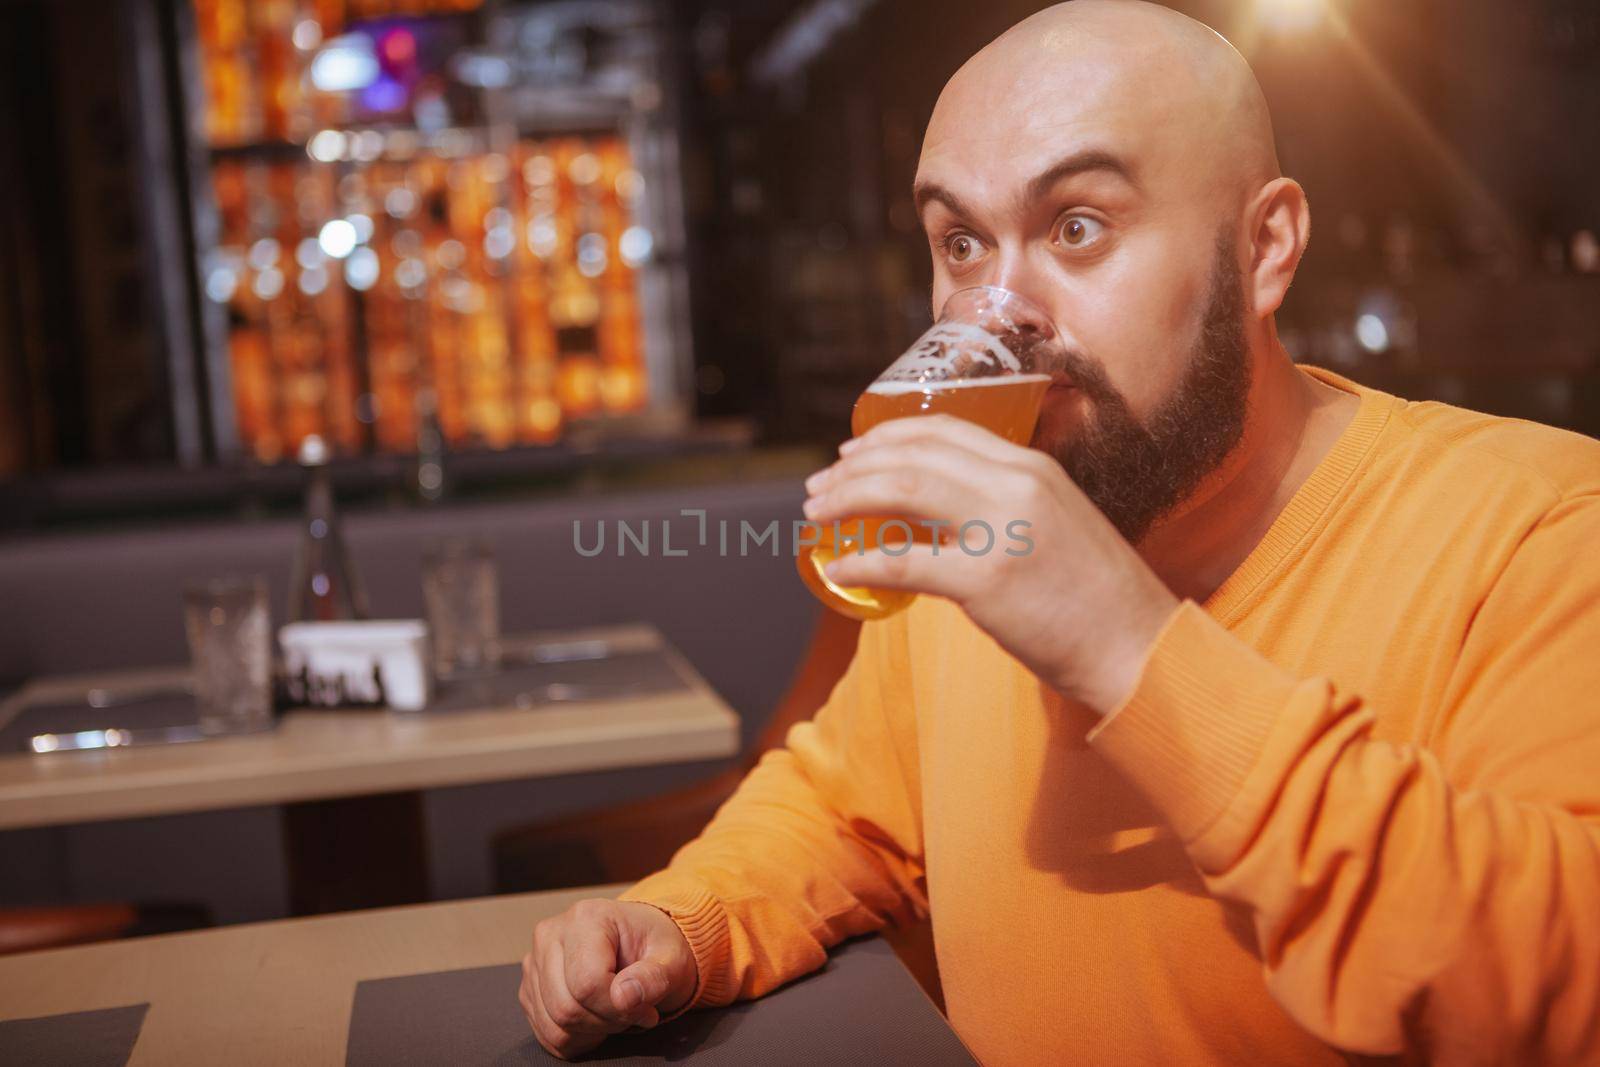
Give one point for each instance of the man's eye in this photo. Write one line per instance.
(1080, 231)
(961, 247)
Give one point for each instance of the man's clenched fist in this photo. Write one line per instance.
(601, 967)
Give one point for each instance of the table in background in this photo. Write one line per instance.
(350, 779)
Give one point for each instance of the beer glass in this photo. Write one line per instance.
(989, 359)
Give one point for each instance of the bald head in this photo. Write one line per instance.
(1183, 97)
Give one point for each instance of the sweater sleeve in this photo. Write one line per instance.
(821, 842)
(1441, 898)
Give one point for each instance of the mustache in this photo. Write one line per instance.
(1087, 375)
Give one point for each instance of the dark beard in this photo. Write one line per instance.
(1137, 472)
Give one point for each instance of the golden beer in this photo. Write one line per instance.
(1006, 405)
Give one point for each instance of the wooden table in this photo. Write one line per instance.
(317, 755)
(350, 781)
(270, 993)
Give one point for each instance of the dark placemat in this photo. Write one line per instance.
(863, 1007)
(164, 708)
(103, 1038)
(514, 684)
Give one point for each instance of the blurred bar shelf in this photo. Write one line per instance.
(587, 459)
(432, 220)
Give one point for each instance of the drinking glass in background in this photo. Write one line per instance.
(230, 642)
(461, 589)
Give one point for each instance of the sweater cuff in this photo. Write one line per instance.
(704, 923)
(1195, 726)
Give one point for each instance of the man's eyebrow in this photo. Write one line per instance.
(1090, 159)
(925, 193)
(1083, 162)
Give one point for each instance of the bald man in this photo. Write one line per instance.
(1279, 747)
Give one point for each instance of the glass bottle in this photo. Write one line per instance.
(324, 586)
(429, 480)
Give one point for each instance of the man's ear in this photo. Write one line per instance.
(1280, 228)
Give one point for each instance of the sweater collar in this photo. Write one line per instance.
(1312, 502)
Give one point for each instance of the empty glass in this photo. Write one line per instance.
(230, 641)
(461, 589)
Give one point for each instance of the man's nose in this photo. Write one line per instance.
(1018, 275)
(1028, 314)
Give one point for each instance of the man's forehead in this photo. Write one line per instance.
(1032, 92)
(991, 155)
(1041, 104)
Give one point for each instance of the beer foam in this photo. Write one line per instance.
(940, 353)
(901, 388)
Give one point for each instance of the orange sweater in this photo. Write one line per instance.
(1353, 803)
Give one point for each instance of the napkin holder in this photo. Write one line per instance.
(368, 663)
